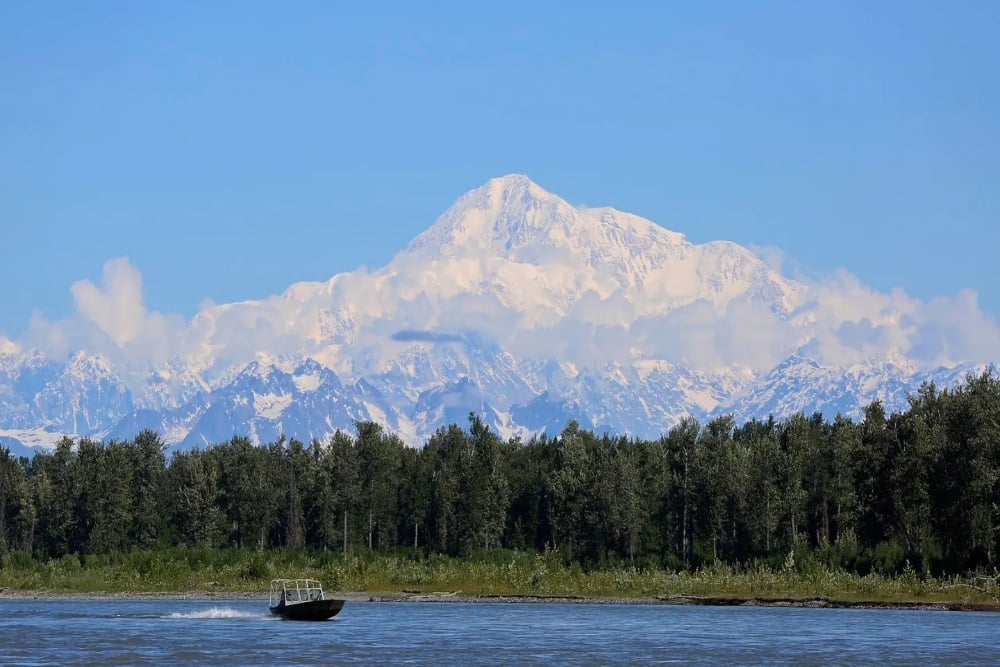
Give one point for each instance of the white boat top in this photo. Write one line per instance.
(295, 591)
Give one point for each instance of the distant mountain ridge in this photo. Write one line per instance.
(513, 304)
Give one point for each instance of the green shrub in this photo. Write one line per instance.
(255, 568)
(889, 557)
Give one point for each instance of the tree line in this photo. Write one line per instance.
(918, 488)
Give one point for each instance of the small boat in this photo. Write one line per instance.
(302, 600)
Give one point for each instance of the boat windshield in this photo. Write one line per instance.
(293, 591)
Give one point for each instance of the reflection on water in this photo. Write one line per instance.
(35, 632)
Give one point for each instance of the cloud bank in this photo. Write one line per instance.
(839, 321)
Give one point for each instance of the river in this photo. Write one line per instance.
(186, 632)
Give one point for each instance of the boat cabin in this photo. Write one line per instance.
(286, 592)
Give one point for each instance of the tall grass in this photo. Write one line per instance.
(491, 573)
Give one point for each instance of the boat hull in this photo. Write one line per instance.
(313, 610)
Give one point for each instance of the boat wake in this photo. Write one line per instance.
(218, 612)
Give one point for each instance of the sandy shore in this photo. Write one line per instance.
(819, 602)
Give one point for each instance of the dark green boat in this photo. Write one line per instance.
(302, 600)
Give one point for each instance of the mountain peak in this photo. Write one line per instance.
(83, 362)
(513, 218)
(504, 213)
(539, 255)
(514, 304)
(513, 189)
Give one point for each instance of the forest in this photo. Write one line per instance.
(917, 490)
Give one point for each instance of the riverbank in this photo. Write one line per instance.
(817, 602)
(499, 576)
(820, 602)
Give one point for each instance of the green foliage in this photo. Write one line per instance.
(256, 568)
(494, 572)
(906, 497)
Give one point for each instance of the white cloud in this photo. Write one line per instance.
(699, 334)
(7, 346)
(950, 330)
(771, 255)
(110, 319)
(116, 307)
(849, 322)
(50, 338)
(840, 321)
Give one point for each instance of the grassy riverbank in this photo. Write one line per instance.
(501, 573)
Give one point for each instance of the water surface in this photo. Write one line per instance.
(161, 632)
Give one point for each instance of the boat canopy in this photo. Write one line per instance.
(293, 591)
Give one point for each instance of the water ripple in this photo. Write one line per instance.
(36, 632)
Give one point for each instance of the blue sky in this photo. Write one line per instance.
(229, 151)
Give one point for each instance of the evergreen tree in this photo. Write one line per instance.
(146, 463)
(445, 452)
(104, 509)
(193, 492)
(379, 457)
(55, 492)
(249, 488)
(681, 442)
(414, 497)
(484, 491)
(568, 483)
(763, 497)
(922, 485)
(12, 494)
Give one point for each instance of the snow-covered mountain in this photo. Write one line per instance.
(514, 304)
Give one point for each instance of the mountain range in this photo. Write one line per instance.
(515, 305)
